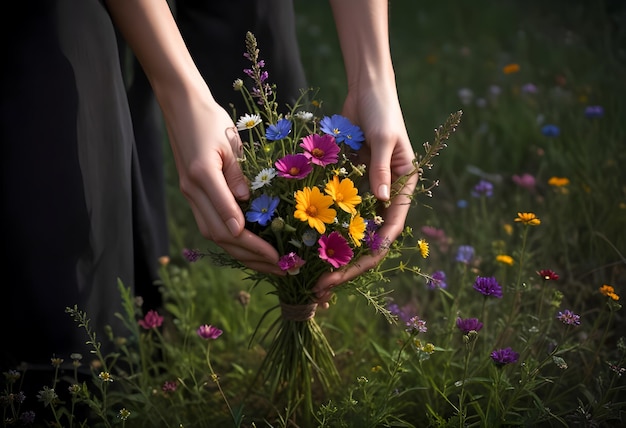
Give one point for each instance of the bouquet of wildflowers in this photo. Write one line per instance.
(308, 200)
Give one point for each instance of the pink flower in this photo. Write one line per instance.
(335, 249)
(320, 149)
(209, 332)
(293, 166)
(525, 181)
(151, 320)
(170, 386)
(291, 263)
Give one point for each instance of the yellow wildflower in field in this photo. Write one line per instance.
(511, 68)
(508, 229)
(422, 245)
(505, 259)
(609, 291)
(528, 219)
(558, 181)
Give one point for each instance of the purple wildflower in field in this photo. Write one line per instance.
(465, 254)
(401, 313)
(27, 418)
(170, 386)
(416, 325)
(483, 188)
(529, 88)
(468, 324)
(373, 240)
(191, 255)
(488, 286)
(504, 356)
(466, 95)
(209, 332)
(437, 280)
(568, 317)
(280, 130)
(593, 112)
(550, 130)
(151, 320)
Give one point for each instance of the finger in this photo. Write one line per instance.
(232, 171)
(380, 169)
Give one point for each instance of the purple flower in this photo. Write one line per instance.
(151, 320)
(525, 181)
(437, 280)
(550, 130)
(568, 317)
(483, 188)
(468, 324)
(504, 356)
(291, 263)
(343, 130)
(320, 149)
(593, 112)
(209, 332)
(278, 131)
(191, 255)
(465, 254)
(262, 209)
(529, 88)
(416, 325)
(488, 286)
(402, 313)
(27, 418)
(293, 166)
(372, 238)
(170, 386)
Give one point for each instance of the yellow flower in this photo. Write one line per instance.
(609, 291)
(558, 181)
(314, 207)
(511, 68)
(423, 247)
(344, 194)
(508, 229)
(528, 219)
(356, 229)
(504, 259)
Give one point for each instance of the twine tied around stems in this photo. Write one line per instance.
(298, 312)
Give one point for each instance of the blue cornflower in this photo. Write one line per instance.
(483, 188)
(594, 111)
(437, 280)
(488, 286)
(278, 131)
(550, 130)
(465, 254)
(343, 130)
(262, 209)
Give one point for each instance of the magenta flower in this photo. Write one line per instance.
(548, 275)
(191, 255)
(568, 317)
(488, 286)
(209, 332)
(525, 181)
(468, 324)
(335, 249)
(170, 386)
(291, 263)
(504, 356)
(151, 320)
(293, 166)
(416, 325)
(321, 149)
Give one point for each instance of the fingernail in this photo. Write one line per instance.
(233, 226)
(383, 190)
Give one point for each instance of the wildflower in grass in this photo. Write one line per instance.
(343, 193)
(461, 203)
(278, 131)
(488, 286)
(550, 130)
(437, 280)
(372, 238)
(356, 229)
(291, 263)
(309, 237)
(609, 291)
(465, 254)
(558, 181)
(305, 116)
(505, 259)
(123, 414)
(293, 166)
(422, 246)
(593, 112)
(334, 249)
(504, 356)
(548, 275)
(529, 88)
(263, 178)
(170, 386)
(568, 317)
(105, 377)
(343, 130)
(191, 255)
(466, 96)
(416, 325)
(27, 418)
(468, 324)
(151, 320)
(511, 68)
(209, 332)
(528, 219)
(321, 149)
(483, 188)
(56, 362)
(314, 207)
(525, 181)
(248, 121)
(617, 369)
(401, 313)
(508, 229)
(434, 233)
(262, 209)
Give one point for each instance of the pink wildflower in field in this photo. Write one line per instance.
(151, 320)
(209, 332)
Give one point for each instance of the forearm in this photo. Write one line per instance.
(363, 31)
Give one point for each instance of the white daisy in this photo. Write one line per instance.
(305, 116)
(263, 178)
(248, 121)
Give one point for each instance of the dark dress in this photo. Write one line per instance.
(82, 188)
